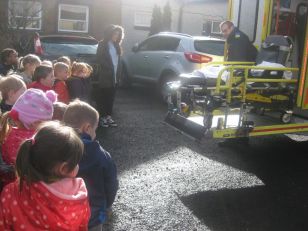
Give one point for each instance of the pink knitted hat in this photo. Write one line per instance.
(33, 105)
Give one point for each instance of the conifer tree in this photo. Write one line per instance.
(156, 22)
(167, 17)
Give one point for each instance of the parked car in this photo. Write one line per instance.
(162, 57)
(78, 48)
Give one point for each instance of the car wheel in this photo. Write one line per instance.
(162, 86)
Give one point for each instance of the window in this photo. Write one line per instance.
(68, 46)
(25, 14)
(160, 44)
(149, 44)
(167, 44)
(212, 47)
(215, 29)
(248, 17)
(142, 19)
(73, 18)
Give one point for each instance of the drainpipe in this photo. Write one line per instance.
(181, 17)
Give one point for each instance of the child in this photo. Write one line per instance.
(47, 63)
(11, 88)
(61, 74)
(78, 84)
(30, 63)
(96, 166)
(31, 108)
(47, 195)
(59, 109)
(43, 78)
(64, 59)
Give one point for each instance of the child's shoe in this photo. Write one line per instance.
(103, 122)
(111, 122)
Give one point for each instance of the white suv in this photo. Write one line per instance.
(162, 57)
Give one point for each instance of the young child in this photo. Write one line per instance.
(59, 109)
(31, 108)
(96, 166)
(11, 88)
(43, 78)
(30, 63)
(64, 59)
(61, 71)
(79, 84)
(47, 195)
(47, 63)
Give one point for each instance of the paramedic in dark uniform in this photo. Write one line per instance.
(239, 48)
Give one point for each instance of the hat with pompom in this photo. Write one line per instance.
(32, 106)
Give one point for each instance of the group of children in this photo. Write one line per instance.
(54, 174)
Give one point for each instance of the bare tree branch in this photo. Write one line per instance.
(20, 18)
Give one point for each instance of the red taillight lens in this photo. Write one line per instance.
(197, 58)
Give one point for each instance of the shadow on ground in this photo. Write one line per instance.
(279, 162)
(281, 204)
(257, 208)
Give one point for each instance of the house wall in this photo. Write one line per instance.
(135, 34)
(194, 16)
(101, 14)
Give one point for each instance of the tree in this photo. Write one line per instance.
(14, 28)
(156, 22)
(167, 17)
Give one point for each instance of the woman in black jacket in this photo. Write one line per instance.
(108, 56)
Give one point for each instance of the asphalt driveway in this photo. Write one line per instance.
(169, 182)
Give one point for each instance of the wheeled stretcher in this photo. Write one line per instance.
(239, 86)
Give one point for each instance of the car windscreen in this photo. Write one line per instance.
(212, 47)
(68, 49)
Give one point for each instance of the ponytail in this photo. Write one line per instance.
(4, 126)
(23, 164)
(26, 170)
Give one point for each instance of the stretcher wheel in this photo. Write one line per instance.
(260, 111)
(207, 121)
(286, 117)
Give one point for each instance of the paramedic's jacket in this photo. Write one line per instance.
(239, 48)
(100, 175)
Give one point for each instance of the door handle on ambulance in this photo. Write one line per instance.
(166, 56)
(145, 56)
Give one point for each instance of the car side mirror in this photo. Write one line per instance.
(135, 47)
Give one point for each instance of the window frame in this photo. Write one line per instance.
(78, 6)
(212, 26)
(136, 24)
(28, 17)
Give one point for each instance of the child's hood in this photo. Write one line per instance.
(93, 154)
(58, 206)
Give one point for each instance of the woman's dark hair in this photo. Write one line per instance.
(108, 35)
(41, 72)
(52, 145)
(5, 54)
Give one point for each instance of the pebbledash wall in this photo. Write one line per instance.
(78, 17)
(199, 17)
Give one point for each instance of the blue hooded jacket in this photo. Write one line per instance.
(100, 175)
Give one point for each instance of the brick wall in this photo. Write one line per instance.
(101, 14)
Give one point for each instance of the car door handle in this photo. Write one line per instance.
(166, 56)
(145, 56)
